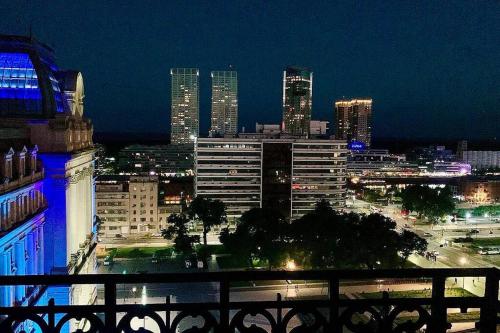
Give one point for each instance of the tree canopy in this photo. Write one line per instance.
(427, 202)
(178, 231)
(261, 233)
(323, 238)
(209, 212)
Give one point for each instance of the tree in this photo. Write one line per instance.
(411, 243)
(316, 237)
(433, 204)
(261, 233)
(209, 212)
(178, 231)
(377, 242)
(326, 238)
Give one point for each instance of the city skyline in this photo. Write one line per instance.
(431, 67)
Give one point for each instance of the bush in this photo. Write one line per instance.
(463, 240)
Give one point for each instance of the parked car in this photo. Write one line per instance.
(489, 250)
(154, 258)
(108, 261)
(427, 234)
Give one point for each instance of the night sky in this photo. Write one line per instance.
(431, 67)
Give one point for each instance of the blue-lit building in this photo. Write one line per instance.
(47, 184)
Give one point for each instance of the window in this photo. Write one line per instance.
(19, 84)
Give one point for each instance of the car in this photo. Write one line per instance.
(154, 258)
(427, 234)
(474, 231)
(489, 251)
(108, 261)
(407, 226)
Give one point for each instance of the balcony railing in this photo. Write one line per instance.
(331, 313)
(18, 182)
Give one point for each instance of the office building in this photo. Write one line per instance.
(482, 159)
(130, 207)
(164, 160)
(42, 106)
(378, 163)
(353, 120)
(461, 147)
(297, 101)
(480, 190)
(185, 108)
(224, 119)
(318, 128)
(285, 173)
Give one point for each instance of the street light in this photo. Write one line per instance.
(144, 295)
(290, 265)
(463, 261)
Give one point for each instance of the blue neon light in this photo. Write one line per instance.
(19, 89)
(356, 145)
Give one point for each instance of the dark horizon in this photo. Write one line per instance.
(432, 68)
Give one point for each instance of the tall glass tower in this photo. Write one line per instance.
(185, 116)
(297, 100)
(353, 120)
(224, 103)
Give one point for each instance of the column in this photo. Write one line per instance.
(40, 250)
(20, 262)
(5, 291)
(30, 251)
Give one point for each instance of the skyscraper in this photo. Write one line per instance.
(185, 105)
(353, 120)
(297, 100)
(224, 102)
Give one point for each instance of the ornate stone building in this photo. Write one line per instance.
(41, 108)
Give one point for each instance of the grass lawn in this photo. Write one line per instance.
(209, 249)
(143, 252)
(234, 262)
(486, 241)
(449, 292)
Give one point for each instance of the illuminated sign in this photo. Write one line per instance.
(356, 145)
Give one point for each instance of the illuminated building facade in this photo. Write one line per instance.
(185, 108)
(22, 220)
(482, 159)
(164, 160)
(353, 120)
(297, 101)
(128, 206)
(224, 103)
(43, 106)
(482, 190)
(288, 174)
